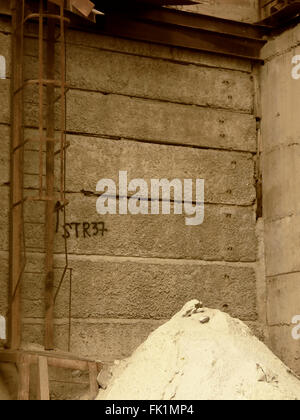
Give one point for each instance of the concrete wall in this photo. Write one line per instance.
(241, 10)
(5, 44)
(281, 163)
(156, 112)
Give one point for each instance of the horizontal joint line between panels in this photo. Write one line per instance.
(151, 260)
(145, 98)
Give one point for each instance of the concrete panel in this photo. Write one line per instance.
(141, 288)
(4, 219)
(144, 49)
(282, 245)
(228, 233)
(229, 177)
(281, 173)
(5, 100)
(283, 289)
(157, 79)
(280, 140)
(280, 123)
(4, 154)
(151, 291)
(104, 340)
(4, 264)
(156, 121)
(281, 44)
(285, 347)
(148, 120)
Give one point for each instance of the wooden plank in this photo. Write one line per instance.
(24, 379)
(7, 356)
(93, 375)
(81, 365)
(68, 364)
(63, 360)
(43, 392)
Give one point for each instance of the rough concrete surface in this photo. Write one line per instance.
(142, 288)
(158, 112)
(228, 233)
(201, 354)
(228, 175)
(142, 49)
(157, 79)
(281, 204)
(120, 116)
(241, 10)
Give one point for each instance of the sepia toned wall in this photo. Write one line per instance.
(281, 158)
(241, 10)
(156, 112)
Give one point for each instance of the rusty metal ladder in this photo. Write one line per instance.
(50, 19)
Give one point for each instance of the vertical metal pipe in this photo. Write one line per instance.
(50, 203)
(41, 92)
(63, 101)
(16, 190)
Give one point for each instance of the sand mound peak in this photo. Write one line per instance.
(202, 354)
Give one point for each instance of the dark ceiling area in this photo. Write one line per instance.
(107, 5)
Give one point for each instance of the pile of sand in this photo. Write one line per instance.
(201, 354)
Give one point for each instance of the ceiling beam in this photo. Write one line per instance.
(183, 29)
(206, 35)
(178, 29)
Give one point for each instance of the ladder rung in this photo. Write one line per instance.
(20, 145)
(68, 144)
(43, 139)
(46, 16)
(45, 198)
(40, 198)
(46, 82)
(59, 96)
(18, 203)
(37, 139)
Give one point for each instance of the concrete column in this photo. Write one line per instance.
(281, 191)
